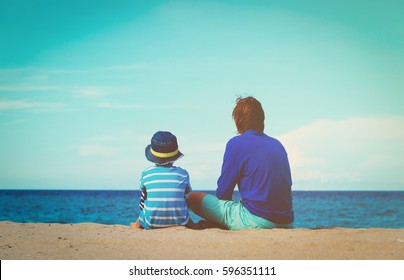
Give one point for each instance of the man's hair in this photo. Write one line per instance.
(248, 115)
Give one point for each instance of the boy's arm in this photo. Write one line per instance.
(143, 197)
(188, 188)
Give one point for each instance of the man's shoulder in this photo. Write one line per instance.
(243, 140)
(248, 136)
(236, 139)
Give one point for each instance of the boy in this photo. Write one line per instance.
(164, 186)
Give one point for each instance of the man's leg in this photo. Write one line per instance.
(194, 201)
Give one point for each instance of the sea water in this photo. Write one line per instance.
(313, 209)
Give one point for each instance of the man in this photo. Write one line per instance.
(259, 166)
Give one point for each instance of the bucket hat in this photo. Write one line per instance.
(163, 148)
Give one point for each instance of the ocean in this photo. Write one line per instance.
(313, 209)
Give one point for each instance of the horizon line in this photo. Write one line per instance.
(197, 190)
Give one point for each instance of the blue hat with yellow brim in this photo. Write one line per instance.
(163, 148)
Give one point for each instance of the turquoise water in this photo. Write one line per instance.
(313, 209)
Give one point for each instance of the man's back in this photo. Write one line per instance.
(258, 164)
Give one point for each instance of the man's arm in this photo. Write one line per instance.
(231, 169)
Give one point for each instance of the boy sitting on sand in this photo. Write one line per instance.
(163, 186)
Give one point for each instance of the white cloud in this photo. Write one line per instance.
(95, 91)
(110, 105)
(134, 106)
(205, 148)
(14, 70)
(96, 150)
(90, 91)
(124, 68)
(43, 107)
(112, 68)
(125, 136)
(33, 106)
(10, 104)
(122, 143)
(27, 88)
(15, 122)
(350, 152)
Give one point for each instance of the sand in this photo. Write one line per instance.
(88, 241)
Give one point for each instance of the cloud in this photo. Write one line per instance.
(27, 88)
(96, 150)
(91, 91)
(33, 106)
(206, 148)
(9, 104)
(351, 152)
(51, 107)
(122, 143)
(110, 105)
(111, 68)
(6, 71)
(136, 106)
(127, 136)
(108, 69)
(15, 122)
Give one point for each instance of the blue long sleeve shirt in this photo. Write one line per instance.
(259, 165)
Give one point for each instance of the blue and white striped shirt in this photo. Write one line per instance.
(163, 190)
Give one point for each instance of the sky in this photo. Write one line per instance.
(85, 85)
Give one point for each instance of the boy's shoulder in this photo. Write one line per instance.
(162, 169)
(177, 169)
(149, 169)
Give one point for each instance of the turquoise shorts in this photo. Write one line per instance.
(233, 215)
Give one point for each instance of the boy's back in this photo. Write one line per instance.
(164, 204)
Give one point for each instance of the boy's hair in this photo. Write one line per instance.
(248, 115)
(167, 164)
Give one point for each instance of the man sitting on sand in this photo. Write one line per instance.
(163, 186)
(259, 165)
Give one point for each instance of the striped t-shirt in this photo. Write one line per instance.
(163, 203)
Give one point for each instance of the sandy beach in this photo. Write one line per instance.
(88, 241)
